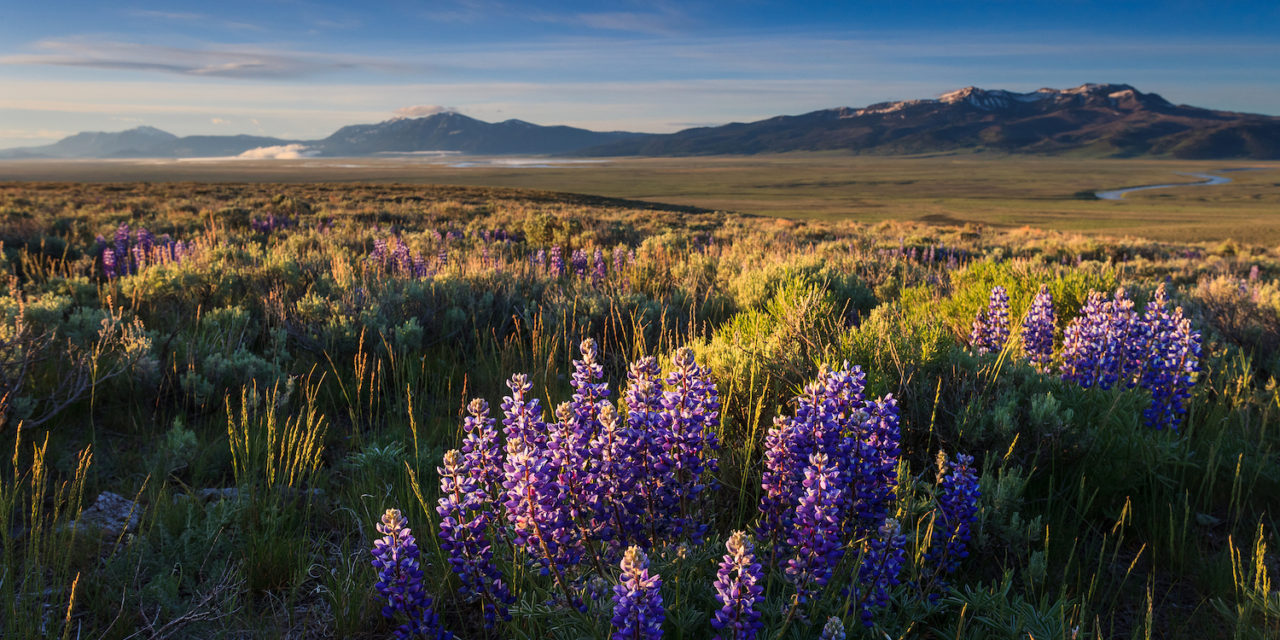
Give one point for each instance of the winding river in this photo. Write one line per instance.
(1208, 180)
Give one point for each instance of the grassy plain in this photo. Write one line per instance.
(254, 401)
(998, 191)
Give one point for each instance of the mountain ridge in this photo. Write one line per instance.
(1104, 119)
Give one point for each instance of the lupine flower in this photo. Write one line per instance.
(557, 262)
(619, 258)
(395, 556)
(480, 447)
(579, 261)
(571, 437)
(1123, 347)
(692, 410)
(637, 600)
(957, 508)
(991, 326)
(130, 256)
(1037, 329)
(598, 272)
(1084, 342)
(464, 523)
(1173, 358)
(815, 532)
(619, 505)
(649, 427)
(776, 505)
(874, 470)
(833, 630)
(882, 562)
(533, 503)
(738, 590)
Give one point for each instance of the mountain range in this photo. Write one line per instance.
(1113, 120)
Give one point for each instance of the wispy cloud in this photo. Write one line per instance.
(666, 21)
(33, 134)
(195, 18)
(218, 61)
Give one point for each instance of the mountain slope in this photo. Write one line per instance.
(142, 142)
(455, 132)
(1102, 119)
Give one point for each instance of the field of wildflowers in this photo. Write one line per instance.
(427, 412)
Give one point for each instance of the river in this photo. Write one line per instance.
(1208, 180)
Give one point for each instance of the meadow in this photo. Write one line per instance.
(1043, 192)
(282, 408)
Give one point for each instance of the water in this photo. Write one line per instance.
(1209, 180)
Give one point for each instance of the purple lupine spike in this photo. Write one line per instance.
(833, 629)
(650, 429)
(145, 239)
(599, 268)
(540, 259)
(122, 239)
(991, 326)
(480, 446)
(619, 258)
(533, 508)
(442, 258)
(1083, 343)
(109, 263)
(570, 441)
(395, 556)
(776, 505)
(637, 600)
(738, 590)
(400, 258)
(957, 508)
(875, 468)
(579, 263)
(464, 509)
(815, 537)
(1037, 329)
(1172, 361)
(557, 262)
(522, 423)
(619, 507)
(883, 558)
(692, 409)
(1119, 358)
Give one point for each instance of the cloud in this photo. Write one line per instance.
(279, 152)
(33, 134)
(245, 61)
(201, 18)
(666, 23)
(421, 111)
(219, 121)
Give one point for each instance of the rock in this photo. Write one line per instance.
(211, 495)
(110, 514)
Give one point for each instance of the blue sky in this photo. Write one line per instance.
(301, 68)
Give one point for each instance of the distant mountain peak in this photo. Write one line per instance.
(1105, 119)
(149, 131)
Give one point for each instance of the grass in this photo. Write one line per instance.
(988, 189)
(324, 388)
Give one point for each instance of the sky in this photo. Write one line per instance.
(299, 69)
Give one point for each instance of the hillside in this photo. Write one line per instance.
(1113, 120)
